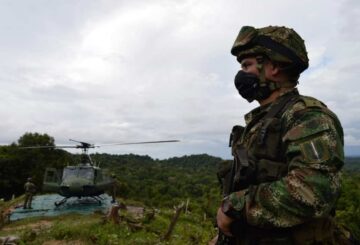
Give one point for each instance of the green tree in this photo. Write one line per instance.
(35, 139)
(19, 163)
(348, 208)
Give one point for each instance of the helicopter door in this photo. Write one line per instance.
(52, 179)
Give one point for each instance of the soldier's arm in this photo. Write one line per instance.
(314, 150)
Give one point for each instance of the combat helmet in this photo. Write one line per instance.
(279, 44)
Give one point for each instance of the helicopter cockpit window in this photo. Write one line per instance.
(87, 173)
(68, 172)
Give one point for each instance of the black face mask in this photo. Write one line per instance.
(249, 87)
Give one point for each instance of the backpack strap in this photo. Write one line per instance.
(276, 111)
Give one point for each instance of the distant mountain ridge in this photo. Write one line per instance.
(193, 161)
(352, 164)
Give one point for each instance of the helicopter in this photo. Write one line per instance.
(86, 179)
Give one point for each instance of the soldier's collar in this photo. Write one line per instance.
(265, 108)
(293, 90)
(256, 112)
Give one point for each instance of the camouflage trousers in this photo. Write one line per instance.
(28, 200)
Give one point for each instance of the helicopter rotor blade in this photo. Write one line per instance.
(45, 147)
(143, 142)
(83, 144)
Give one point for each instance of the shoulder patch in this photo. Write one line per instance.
(306, 129)
(315, 150)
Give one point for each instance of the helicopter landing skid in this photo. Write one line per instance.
(57, 204)
(96, 198)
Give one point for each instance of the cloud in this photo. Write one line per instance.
(111, 71)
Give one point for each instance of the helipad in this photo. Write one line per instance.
(44, 206)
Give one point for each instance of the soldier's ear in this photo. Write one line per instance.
(274, 69)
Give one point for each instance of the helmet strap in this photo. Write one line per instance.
(264, 82)
(261, 69)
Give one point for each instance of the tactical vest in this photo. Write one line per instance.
(259, 156)
(258, 148)
(29, 188)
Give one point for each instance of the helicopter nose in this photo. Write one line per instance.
(71, 189)
(64, 188)
(88, 188)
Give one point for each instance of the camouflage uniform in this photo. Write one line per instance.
(293, 157)
(30, 190)
(307, 151)
(114, 186)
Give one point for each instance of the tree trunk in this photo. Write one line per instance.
(114, 214)
(173, 222)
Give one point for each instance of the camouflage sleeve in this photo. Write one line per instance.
(314, 150)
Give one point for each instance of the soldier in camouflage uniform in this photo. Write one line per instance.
(284, 181)
(114, 186)
(30, 190)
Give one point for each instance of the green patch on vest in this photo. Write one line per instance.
(315, 150)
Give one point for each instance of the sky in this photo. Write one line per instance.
(125, 71)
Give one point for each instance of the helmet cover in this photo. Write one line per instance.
(280, 44)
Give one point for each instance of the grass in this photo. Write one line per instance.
(94, 229)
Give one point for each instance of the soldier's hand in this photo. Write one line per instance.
(224, 222)
(213, 241)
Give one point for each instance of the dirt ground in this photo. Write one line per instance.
(137, 212)
(40, 225)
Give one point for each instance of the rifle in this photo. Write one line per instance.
(230, 177)
(226, 178)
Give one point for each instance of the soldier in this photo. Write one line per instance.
(113, 188)
(30, 190)
(285, 173)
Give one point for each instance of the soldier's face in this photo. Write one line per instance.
(251, 65)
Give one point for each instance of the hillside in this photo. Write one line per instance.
(166, 182)
(352, 164)
(150, 183)
(148, 228)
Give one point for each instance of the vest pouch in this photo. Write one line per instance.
(244, 169)
(235, 137)
(268, 170)
(224, 177)
(268, 139)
